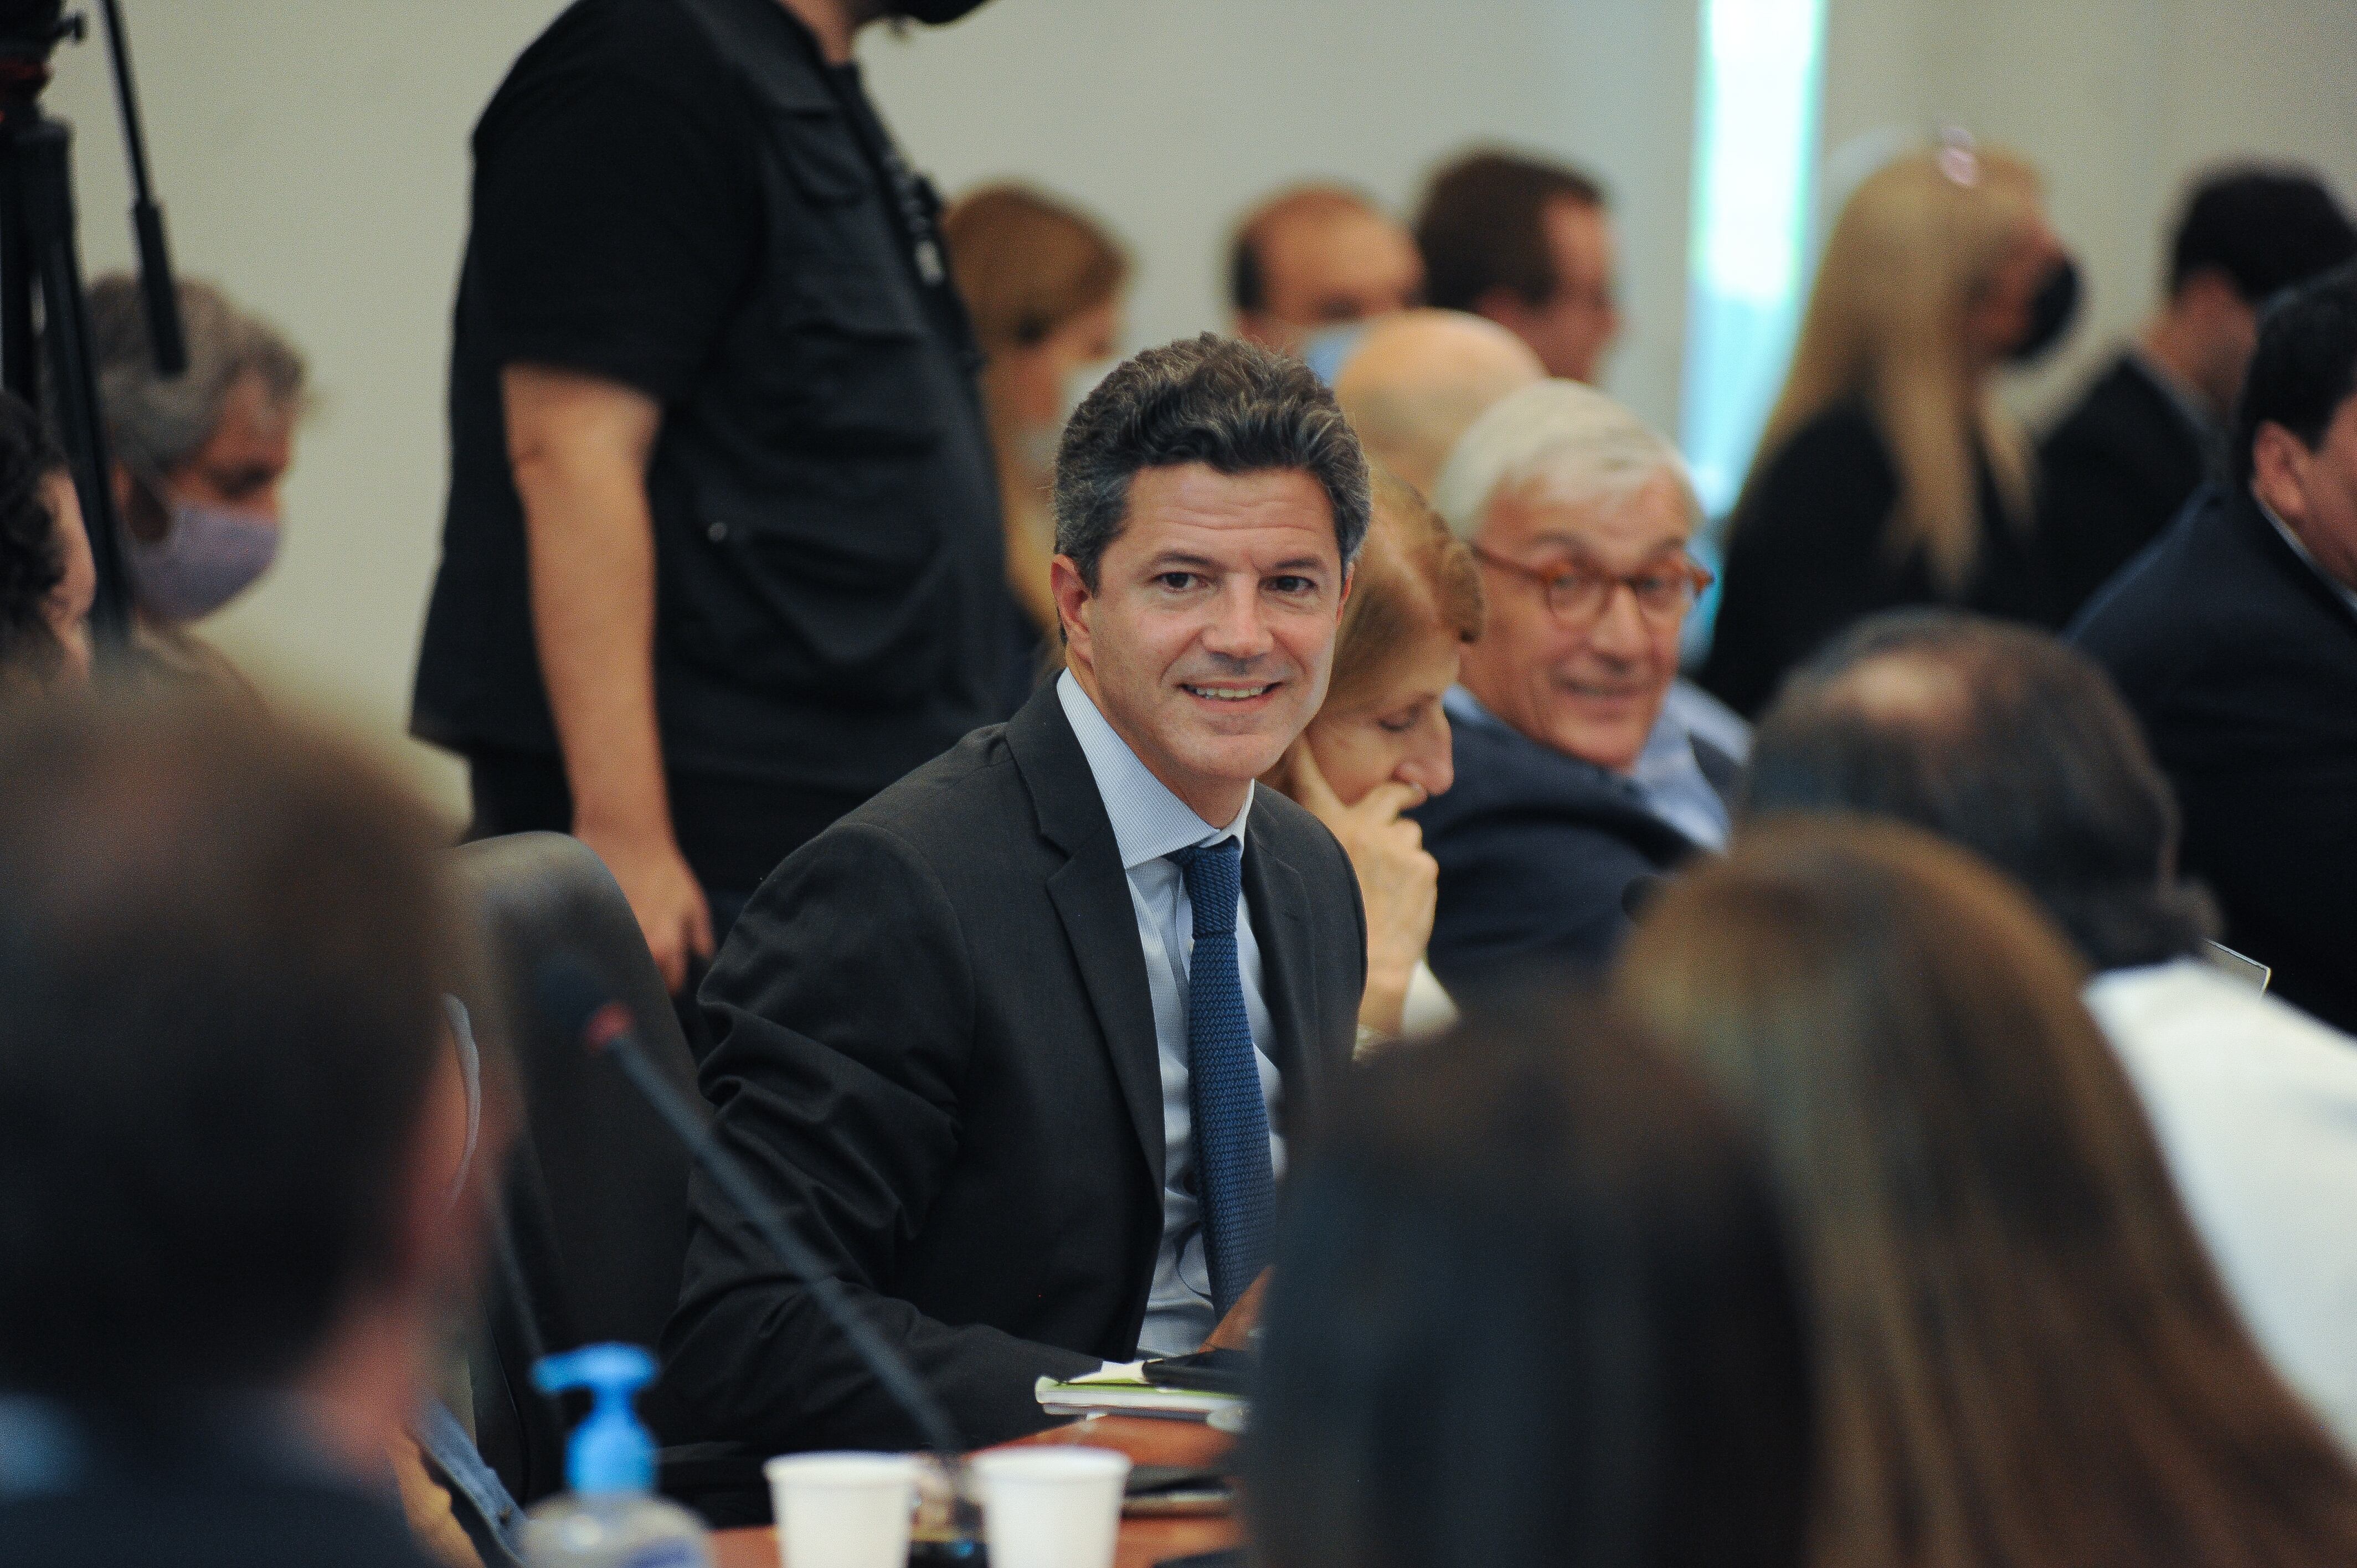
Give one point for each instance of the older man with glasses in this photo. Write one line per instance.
(1583, 764)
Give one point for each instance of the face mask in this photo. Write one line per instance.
(935, 13)
(208, 556)
(2052, 309)
(1036, 447)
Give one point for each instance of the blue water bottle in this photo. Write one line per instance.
(610, 1516)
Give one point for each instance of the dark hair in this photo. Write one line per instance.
(1218, 401)
(2304, 367)
(32, 558)
(1248, 273)
(2265, 229)
(1529, 1305)
(223, 951)
(2003, 740)
(2024, 1354)
(1482, 227)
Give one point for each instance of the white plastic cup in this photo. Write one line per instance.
(1052, 1506)
(843, 1510)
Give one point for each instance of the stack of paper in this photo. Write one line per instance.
(1123, 1390)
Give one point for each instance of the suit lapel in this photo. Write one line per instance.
(1091, 893)
(1279, 905)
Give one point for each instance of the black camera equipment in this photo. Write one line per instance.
(49, 364)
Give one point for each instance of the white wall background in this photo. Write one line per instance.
(312, 157)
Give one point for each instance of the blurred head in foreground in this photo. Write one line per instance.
(2002, 739)
(1529, 1307)
(2023, 1355)
(231, 1126)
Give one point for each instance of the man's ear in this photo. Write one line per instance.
(1071, 592)
(1350, 579)
(2278, 466)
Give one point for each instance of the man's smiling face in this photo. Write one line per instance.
(1592, 687)
(1208, 637)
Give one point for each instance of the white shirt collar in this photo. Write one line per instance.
(2348, 594)
(1148, 820)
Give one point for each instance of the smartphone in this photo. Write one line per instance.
(1205, 1371)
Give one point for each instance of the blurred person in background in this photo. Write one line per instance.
(47, 575)
(2121, 462)
(722, 555)
(1888, 475)
(2015, 746)
(2023, 1354)
(1575, 777)
(1529, 1306)
(242, 1203)
(1529, 244)
(1379, 744)
(1313, 257)
(2234, 640)
(1044, 285)
(1414, 382)
(198, 457)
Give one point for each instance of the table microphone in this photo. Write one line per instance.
(573, 999)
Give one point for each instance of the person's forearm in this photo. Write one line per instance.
(591, 553)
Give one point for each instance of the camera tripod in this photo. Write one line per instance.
(49, 363)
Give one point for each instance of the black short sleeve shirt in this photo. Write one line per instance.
(680, 196)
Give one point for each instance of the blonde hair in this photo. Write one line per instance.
(1914, 247)
(1026, 264)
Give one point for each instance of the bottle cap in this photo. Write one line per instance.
(610, 1451)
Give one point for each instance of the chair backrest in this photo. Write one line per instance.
(595, 1221)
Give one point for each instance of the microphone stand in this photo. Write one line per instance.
(610, 1030)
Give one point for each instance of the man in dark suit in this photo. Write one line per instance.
(236, 1141)
(2148, 430)
(1581, 766)
(2234, 639)
(1015, 1045)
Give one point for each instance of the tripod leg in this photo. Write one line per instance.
(40, 153)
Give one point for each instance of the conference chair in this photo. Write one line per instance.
(594, 1210)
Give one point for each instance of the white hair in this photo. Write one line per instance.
(1569, 442)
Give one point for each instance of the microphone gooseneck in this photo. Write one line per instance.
(573, 999)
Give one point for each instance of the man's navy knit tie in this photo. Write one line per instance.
(1232, 1164)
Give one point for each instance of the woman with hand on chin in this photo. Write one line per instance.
(1379, 744)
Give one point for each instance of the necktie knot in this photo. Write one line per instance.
(1214, 877)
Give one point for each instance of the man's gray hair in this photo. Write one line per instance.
(1568, 442)
(1217, 400)
(154, 424)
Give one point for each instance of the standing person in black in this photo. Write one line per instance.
(1887, 476)
(2234, 639)
(722, 555)
(2148, 430)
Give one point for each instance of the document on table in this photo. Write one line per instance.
(1122, 1391)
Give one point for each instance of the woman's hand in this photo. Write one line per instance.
(1399, 883)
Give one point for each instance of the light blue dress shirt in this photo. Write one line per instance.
(1666, 779)
(1148, 822)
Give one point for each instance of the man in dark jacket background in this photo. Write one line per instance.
(2234, 639)
(2122, 460)
(1581, 766)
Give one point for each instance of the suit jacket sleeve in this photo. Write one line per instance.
(1541, 895)
(844, 1009)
